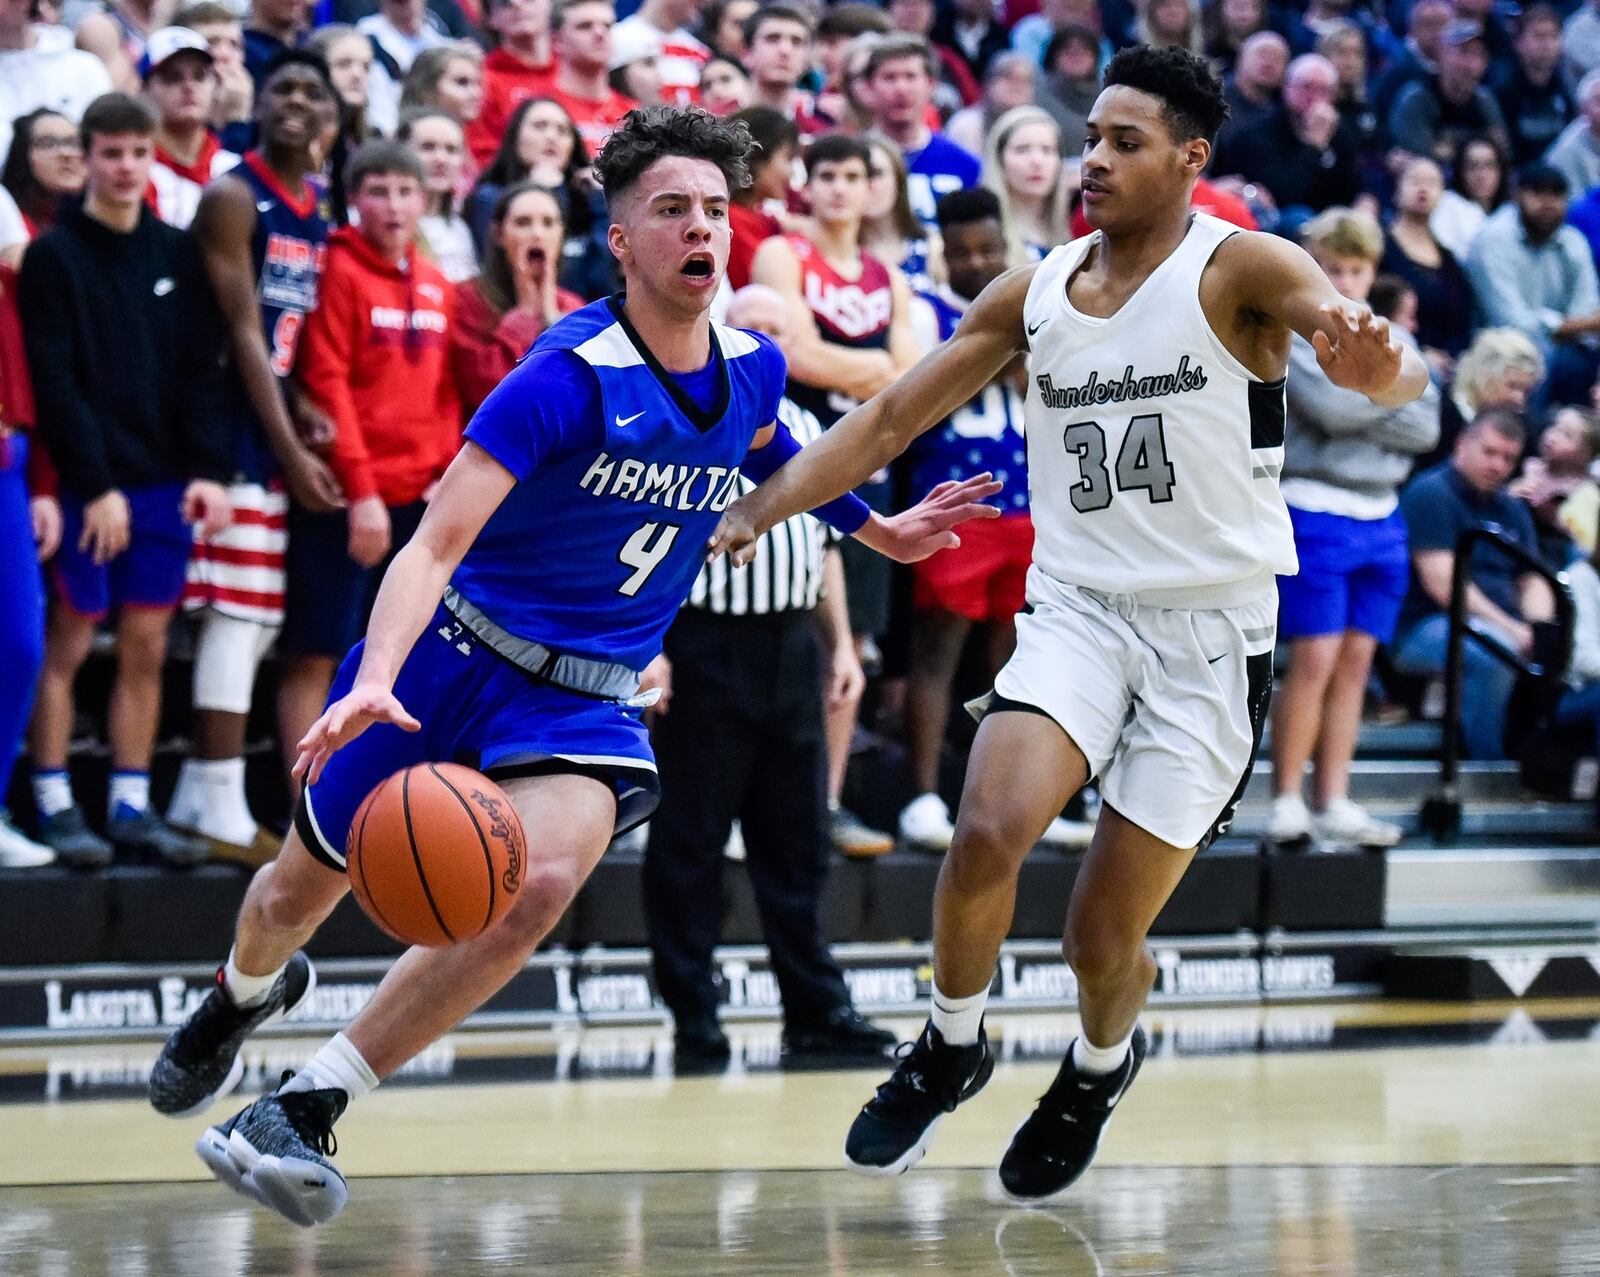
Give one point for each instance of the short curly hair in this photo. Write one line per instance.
(651, 133)
(1190, 92)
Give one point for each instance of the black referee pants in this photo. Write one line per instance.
(743, 740)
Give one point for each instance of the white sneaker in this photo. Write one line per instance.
(1343, 823)
(734, 850)
(925, 823)
(1068, 835)
(1290, 823)
(19, 852)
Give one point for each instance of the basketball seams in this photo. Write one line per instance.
(360, 863)
(472, 818)
(416, 856)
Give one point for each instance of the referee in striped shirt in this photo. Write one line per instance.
(743, 740)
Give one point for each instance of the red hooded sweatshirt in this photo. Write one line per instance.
(508, 81)
(376, 355)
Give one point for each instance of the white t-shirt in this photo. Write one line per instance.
(13, 230)
(679, 56)
(383, 90)
(51, 73)
(449, 241)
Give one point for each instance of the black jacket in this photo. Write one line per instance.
(123, 344)
(1296, 173)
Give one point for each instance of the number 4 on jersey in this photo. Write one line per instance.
(644, 552)
(1141, 463)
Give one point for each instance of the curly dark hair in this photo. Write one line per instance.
(650, 133)
(1190, 92)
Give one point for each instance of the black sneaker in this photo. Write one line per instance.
(276, 1151)
(846, 1034)
(201, 1059)
(891, 1133)
(1060, 1138)
(67, 833)
(700, 1046)
(145, 834)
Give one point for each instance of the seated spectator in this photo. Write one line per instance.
(581, 36)
(1479, 185)
(180, 81)
(954, 86)
(660, 30)
(1469, 491)
(1169, 23)
(440, 145)
(722, 27)
(1022, 166)
(777, 140)
(1071, 82)
(376, 356)
(1531, 272)
(1444, 298)
(501, 314)
(973, 31)
(899, 75)
(1433, 116)
(126, 377)
(447, 78)
(1228, 26)
(1302, 153)
(44, 169)
(518, 66)
(1253, 89)
(778, 49)
(1534, 95)
(1032, 34)
(1418, 57)
(399, 30)
(891, 232)
(725, 86)
(348, 54)
(1008, 84)
(641, 81)
(270, 27)
(1344, 461)
(838, 28)
(1580, 40)
(1345, 45)
(1576, 152)
(232, 105)
(1396, 301)
(1559, 485)
(1579, 707)
(39, 67)
(1316, 20)
(1501, 369)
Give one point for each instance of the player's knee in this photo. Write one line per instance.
(985, 847)
(547, 892)
(141, 648)
(1313, 660)
(1101, 953)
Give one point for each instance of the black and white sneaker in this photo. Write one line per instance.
(276, 1152)
(201, 1059)
(891, 1133)
(1061, 1136)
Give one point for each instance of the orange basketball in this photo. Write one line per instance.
(436, 854)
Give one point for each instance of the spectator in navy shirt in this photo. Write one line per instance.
(900, 73)
(1533, 92)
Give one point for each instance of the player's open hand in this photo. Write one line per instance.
(1356, 349)
(928, 526)
(736, 534)
(343, 721)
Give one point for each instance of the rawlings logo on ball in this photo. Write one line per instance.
(510, 834)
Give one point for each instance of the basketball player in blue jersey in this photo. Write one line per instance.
(512, 631)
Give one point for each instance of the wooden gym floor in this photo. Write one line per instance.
(1352, 1140)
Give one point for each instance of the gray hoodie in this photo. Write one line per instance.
(1341, 438)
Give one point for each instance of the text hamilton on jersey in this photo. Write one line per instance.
(1129, 386)
(672, 486)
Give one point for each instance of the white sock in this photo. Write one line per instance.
(52, 792)
(1087, 1058)
(959, 1019)
(216, 799)
(246, 990)
(129, 789)
(338, 1065)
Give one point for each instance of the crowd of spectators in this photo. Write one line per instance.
(340, 222)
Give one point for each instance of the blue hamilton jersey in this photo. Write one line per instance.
(623, 470)
(985, 434)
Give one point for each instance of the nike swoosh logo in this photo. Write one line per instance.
(1215, 659)
(623, 421)
(263, 206)
(1033, 328)
(163, 287)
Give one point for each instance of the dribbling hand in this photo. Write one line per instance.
(1356, 349)
(342, 722)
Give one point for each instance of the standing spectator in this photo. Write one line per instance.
(261, 236)
(778, 48)
(954, 86)
(1022, 166)
(541, 145)
(1576, 152)
(115, 31)
(899, 74)
(1009, 82)
(722, 26)
(1469, 491)
(518, 67)
(1533, 92)
(1531, 272)
(1254, 87)
(115, 312)
(981, 583)
(377, 356)
(271, 27)
(661, 30)
(1419, 55)
(233, 103)
(180, 80)
(1479, 185)
(1580, 40)
(725, 86)
(1444, 297)
(837, 31)
(891, 232)
(501, 314)
(1434, 115)
(399, 31)
(40, 68)
(447, 78)
(44, 169)
(582, 36)
(741, 738)
(641, 81)
(1344, 461)
(440, 146)
(1071, 82)
(777, 140)
(969, 29)
(29, 533)
(349, 56)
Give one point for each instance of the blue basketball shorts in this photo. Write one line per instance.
(1353, 576)
(478, 709)
(149, 573)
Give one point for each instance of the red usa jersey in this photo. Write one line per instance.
(848, 312)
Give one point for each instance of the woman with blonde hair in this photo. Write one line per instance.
(890, 231)
(1501, 369)
(1170, 23)
(1022, 165)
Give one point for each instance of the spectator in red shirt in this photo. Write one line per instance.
(777, 139)
(375, 355)
(581, 38)
(501, 314)
(778, 49)
(519, 67)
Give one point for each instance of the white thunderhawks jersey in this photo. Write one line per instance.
(1153, 454)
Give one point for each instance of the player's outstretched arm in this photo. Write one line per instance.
(866, 439)
(1354, 346)
(471, 490)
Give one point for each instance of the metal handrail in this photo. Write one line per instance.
(1441, 813)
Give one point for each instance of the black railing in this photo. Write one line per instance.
(1441, 813)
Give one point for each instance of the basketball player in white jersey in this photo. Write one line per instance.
(1157, 348)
